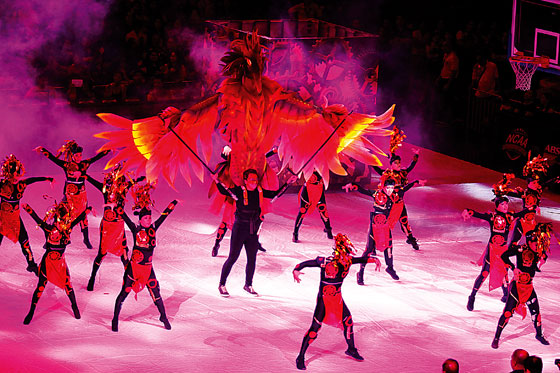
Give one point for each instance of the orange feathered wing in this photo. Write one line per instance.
(148, 145)
(304, 129)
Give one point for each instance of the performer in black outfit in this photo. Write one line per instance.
(248, 218)
(139, 272)
(386, 212)
(330, 307)
(401, 178)
(521, 289)
(11, 192)
(312, 194)
(111, 230)
(500, 223)
(75, 169)
(53, 267)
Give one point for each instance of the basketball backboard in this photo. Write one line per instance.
(535, 30)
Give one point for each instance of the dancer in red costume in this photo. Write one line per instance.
(330, 307)
(12, 188)
(112, 238)
(53, 267)
(521, 291)
(492, 265)
(139, 272)
(387, 205)
(312, 194)
(75, 169)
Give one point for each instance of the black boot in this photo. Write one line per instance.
(261, 248)
(115, 324)
(540, 337)
(85, 232)
(391, 271)
(163, 316)
(353, 353)
(216, 248)
(496, 343)
(470, 303)
(295, 237)
(411, 240)
(72, 298)
(91, 282)
(505, 294)
(29, 316)
(32, 267)
(329, 233)
(300, 362)
(499, 329)
(360, 276)
(118, 305)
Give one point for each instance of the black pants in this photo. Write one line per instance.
(512, 302)
(23, 240)
(319, 316)
(241, 235)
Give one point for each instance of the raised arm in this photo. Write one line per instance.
(308, 263)
(35, 217)
(97, 157)
(407, 187)
(413, 163)
(522, 213)
(80, 217)
(234, 192)
(95, 183)
(50, 156)
(165, 213)
(378, 169)
(476, 214)
(31, 180)
(129, 223)
(362, 190)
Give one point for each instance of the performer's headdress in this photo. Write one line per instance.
(499, 200)
(541, 234)
(343, 245)
(12, 167)
(502, 188)
(68, 150)
(245, 58)
(394, 158)
(535, 168)
(397, 137)
(142, 200)
(61, 213)
(115, 182)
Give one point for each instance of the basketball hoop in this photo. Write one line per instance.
(524, 68)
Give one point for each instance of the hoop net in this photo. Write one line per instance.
(524, 70)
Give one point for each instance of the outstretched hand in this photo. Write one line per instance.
(422, 182)
(416, 151)
(466, 214)
(40, 150)
(296, 274)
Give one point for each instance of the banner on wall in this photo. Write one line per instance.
(515, 145)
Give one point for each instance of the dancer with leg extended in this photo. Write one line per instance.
(75, 169)
(312, 194)
(112, 238)
(492, 265)
(12, 188)
(53, 267)
(139, 272)
(248, 218)
(521, 289)
(331, 308)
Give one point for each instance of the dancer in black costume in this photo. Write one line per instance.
(139, 272)
(330, 307)
(53, 267)
(111, 229)
(521, 291)
(75, 169)
(11, 192)
(248, 218)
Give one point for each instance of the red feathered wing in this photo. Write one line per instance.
(305, 128)
(147, 144)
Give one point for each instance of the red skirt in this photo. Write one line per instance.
(498, 269)
(112, 233)
(524, 291)
(333, 306)
(78, 203)
(141, 274)
(56, 269)
(9, 222)
(381, 232)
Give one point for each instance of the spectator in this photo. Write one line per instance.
(485, 76)
(533, 364)
(116, 90)
(518, 357)
(450, 366)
